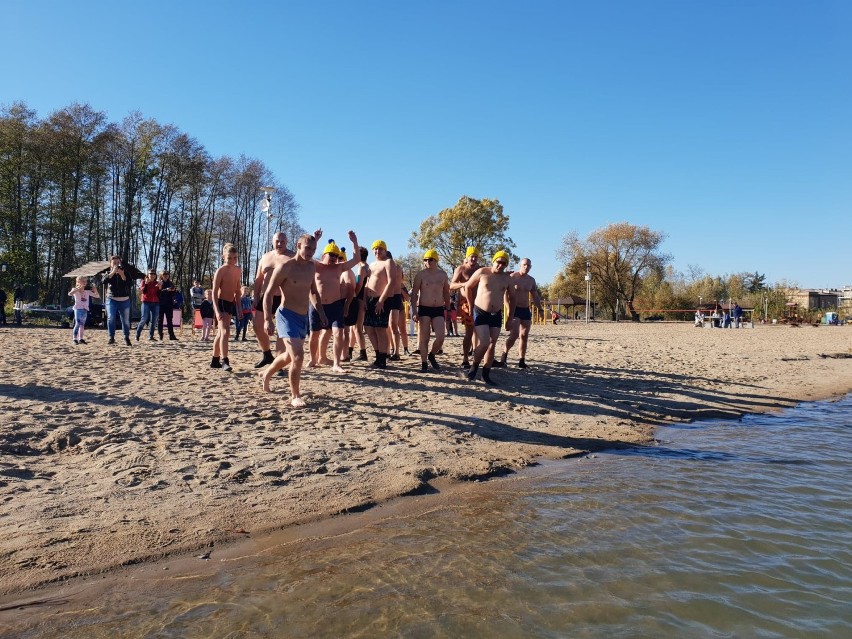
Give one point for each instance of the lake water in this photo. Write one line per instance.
(721, 529)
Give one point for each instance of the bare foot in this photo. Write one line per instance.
(264, 380)
(312, 364)
(297, 402)
(325, 362)
(337, 368)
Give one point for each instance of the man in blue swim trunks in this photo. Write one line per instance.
(294, 281)
(489, 290)
(327, 276)
(523, 286)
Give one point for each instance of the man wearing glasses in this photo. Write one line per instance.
(460, 277)
(430, 295)
(489, 290)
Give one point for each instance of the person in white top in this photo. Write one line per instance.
(81, 294)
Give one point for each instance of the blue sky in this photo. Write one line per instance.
(724, 124)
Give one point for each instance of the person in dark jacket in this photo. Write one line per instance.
(167, 292)
(118, 283)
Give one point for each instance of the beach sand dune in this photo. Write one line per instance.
(112, 455)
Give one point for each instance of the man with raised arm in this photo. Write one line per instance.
(430, 295)
(489, 290)
(460, 277)
(328, 273)
(380, 286)
(522, 287)
(278, 255)
(293, 282)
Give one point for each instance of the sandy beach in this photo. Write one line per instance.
(112, 455)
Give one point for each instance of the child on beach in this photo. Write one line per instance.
(247, 305)
(207, 315)
(226, 304)
(81, 295)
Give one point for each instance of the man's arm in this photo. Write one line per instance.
(415, 293)
(349, 282)
(258, 280)
(536, 297)
(446, 294)
(456, 284)
(509, 300)
(356, 252)
(388, 292)
(217, 285)
(469, 290)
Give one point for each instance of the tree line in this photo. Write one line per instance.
(75, 187)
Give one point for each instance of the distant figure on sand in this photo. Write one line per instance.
(226, 304)
(430, 295)
(81, 294)
(489, 290)
(117, 283)
(293, 281)
(207, 315)
(150, 290)
(522, 288)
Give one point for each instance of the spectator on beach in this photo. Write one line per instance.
(738, 314)
(81, 294)
(226, 304)
(247, 305)
(554, 317)
(118, 285)
(207, 315)
(396, 305)
(726, 320)
(3, 299)
(150, 290)
(18, 301)
(294, 282)
(699, 317)
(196, 294)
(167, 300)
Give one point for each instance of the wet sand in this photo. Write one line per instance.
(112, 455)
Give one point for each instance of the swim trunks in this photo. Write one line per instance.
(523, 313)
(430, 311)
(352, 316)
(228, 307)
(374, 320)
(484, 318)
(394, 303)
(276, 302)
(290, 324)
(333, 313)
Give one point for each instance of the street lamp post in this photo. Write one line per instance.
(266, 207)
(766, 309)
(588, 290)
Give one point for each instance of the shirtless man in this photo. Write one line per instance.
(430, 295)
(357, 331)
(489, 290)
(378, 289)
(460, 277)
(350, 306)
(523, 285)
(226, 304)
(396, 305)
(293, 280)
(328, 273)
(268, 262)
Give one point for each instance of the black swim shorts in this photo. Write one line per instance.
(484, 318)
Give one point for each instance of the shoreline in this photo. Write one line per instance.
(98, 474)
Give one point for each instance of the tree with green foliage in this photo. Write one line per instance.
(470, 222)
(620, 257)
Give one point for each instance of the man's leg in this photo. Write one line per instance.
(338, 347)
(440, 328)
(423, 341)
(322, 351)
(125, 320)
(467, 342)
(295, 349)
(522, 348)
(514, 326)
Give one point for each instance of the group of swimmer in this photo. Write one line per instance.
(296, 295)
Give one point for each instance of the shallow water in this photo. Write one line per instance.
(722, 529)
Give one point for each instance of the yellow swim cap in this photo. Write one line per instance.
(331, 247)
(471, 250)
(431, 254)
(379, 244)
(500, 255)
